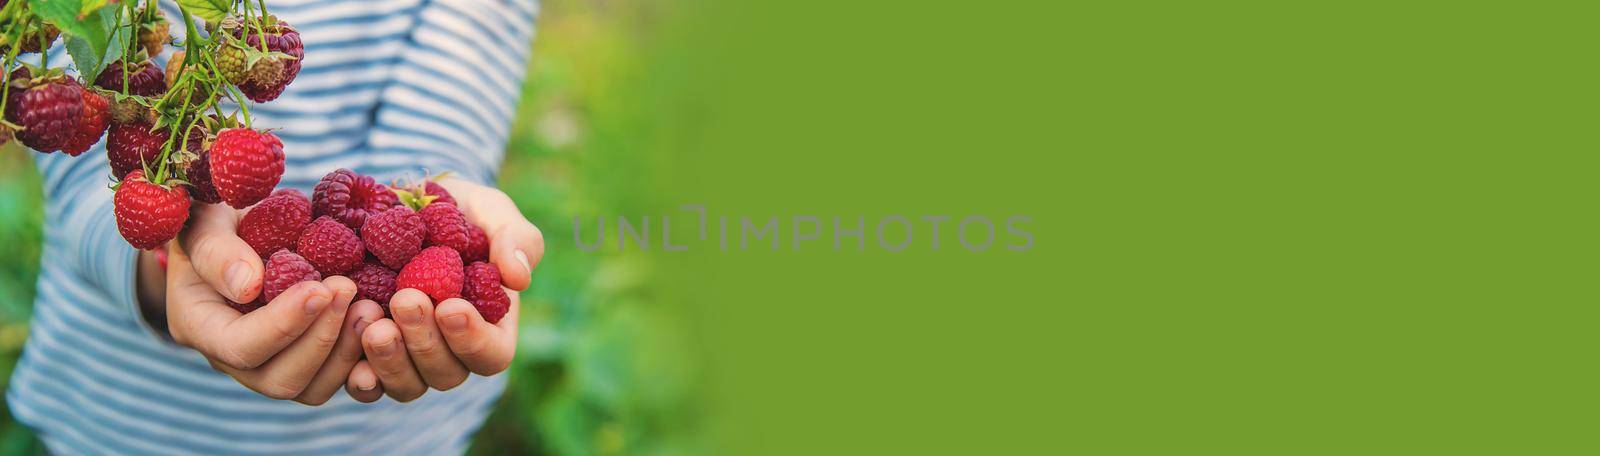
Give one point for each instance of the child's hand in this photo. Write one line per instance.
(436, 346)
(292, 348)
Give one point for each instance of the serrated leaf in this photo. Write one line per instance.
(88, 36)
(212, 11)
(119, 40)
(83, 51)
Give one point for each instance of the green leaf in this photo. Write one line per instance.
(83, 51)
(88, 35)
(212, 11)
(120, 38)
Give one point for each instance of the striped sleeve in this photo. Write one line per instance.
(455, 88)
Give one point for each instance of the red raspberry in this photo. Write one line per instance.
(433, 188)
(394, 236)
(331, 246)
(350, 197)
(437, 271)
(149, 215)
(49, 114)
(447, 227)
(482, 288)
(284, 270)
(376, 282)
(130, 145)
(201, 188)
(276, 222)
(245, 165)
(200, 185)
(144, 78)
(96, 117)
(478, 249)
(280, 37)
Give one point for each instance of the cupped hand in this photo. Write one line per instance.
(301, 346)
(428, 345)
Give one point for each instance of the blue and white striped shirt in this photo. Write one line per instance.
(388, 88)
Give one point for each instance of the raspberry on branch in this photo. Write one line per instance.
(129, 146)
(46, 109)
(143, 79)
(137, 106)
(149, 214)
(283, 54)
(245, 165)
(200, 185)
(96, 118)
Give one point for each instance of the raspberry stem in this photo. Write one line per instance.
(238, 98)
(125, 12)
(11, 55)
(127, 51)
(260, 30)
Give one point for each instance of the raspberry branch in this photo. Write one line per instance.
(167, 137)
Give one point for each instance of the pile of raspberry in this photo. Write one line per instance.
(382, 239)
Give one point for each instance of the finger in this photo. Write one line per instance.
(515, 245)
(413, 313)
(192, 305)
(363, 385)
(516, 248)
(250, 340)
(335, 372)
(220, 257)
(198, 317)
(290, 372)
(485, 348)
(387, 353)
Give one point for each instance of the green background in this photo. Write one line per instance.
(1260, 228)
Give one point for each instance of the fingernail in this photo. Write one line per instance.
(238, 277)
(367, 384)
(523, 258)
(408, 315)
(316, 303)
(455, 323)
(384, 349)
(361, 326)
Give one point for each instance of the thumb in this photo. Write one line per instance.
(219, 256)
(515, 244)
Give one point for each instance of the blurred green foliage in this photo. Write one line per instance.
(601, 368)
